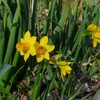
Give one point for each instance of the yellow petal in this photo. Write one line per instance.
(98, 40)
(68, 63)
(19, 46)
(44, 41)
(94, 43)
(22, 40)
(27, 35)
(96, 35)
(32, 50)
(98, 28)
(21, 53)
(68, 69)
(36, 44)
(39, 58)
(92, 27)
(65, 70)
(26, 56)
(49, 48)
(46, 55)
(32, 40)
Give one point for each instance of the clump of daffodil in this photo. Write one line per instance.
(63, 65)
(26, 45)
(95, 33)
(43, 49)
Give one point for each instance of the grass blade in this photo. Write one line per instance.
(12, 34)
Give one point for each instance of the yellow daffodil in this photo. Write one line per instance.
(95, 33)
(26, 45)
(43, 49)
(63, 65)
(65, 68)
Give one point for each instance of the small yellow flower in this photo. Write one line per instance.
(95, 33)
(43, 49)
(26, 46)
(65, 68)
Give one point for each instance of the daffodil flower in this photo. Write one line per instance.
(43, 49)
(64, 66)
(95, 33)
(26, 45)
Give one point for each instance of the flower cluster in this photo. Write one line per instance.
(95, 33)
(29, 46)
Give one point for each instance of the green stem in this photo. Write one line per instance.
(37, 84)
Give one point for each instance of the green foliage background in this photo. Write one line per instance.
(64, 22)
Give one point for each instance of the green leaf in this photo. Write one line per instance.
(50, 14)
(97, 95)
(3, 69)
(36, 87)
(8, 8)
(12, 37)
(4, 91)
(14, 98)
(94, 70)
(2, 38)
(49, 86)
(63, 18)
(96, 18)
(74, 10)
(76, 92)
(50, 72)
